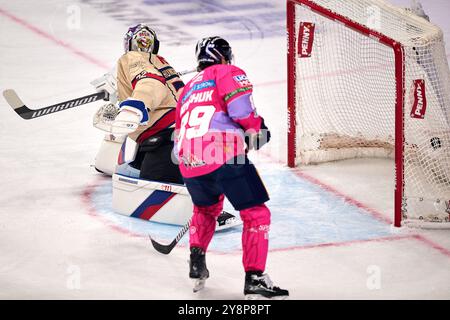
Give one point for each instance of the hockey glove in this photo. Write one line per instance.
(107, 83)
(255, 141)
(132, 114)
(104, 117)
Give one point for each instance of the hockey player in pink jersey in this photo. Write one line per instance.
(216, 124)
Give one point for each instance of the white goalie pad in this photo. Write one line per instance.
(148, 200)
(159, 202)
(108, 154)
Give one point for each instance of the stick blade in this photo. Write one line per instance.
(17, 104)
(13, 99)
(164, 249)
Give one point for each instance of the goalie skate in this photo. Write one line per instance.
(227, 220)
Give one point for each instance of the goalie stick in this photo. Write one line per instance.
(26, 113)
(22, 110)
(166, 249)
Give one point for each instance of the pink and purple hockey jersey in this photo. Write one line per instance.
(213, 111)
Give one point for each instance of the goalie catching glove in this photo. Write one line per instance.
(132, 114)
(105, 116)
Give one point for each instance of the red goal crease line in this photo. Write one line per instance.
(86, 199)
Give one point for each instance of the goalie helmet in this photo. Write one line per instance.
(211, 50)
(141, 38)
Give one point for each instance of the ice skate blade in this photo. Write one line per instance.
(199, 284)
(261, 297)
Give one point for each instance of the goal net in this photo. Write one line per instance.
(369, 79)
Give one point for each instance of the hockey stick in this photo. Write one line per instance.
(22, 110)
(166, 249)
(182, 73)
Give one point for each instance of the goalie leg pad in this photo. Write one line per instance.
(106, 158)
(151, 200)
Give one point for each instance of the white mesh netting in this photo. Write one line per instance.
(346, 97)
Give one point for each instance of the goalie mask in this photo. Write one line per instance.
(211, 50)
(141, 38)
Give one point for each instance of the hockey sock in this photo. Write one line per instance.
(255, 237)
(203, 224)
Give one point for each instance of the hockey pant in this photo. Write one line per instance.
(154, 159)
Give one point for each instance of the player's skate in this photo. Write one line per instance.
(197, 268)
(226, 220)
(259, 286)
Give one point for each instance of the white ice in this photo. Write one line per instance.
(58, 238)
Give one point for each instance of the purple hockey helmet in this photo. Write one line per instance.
(141, 38)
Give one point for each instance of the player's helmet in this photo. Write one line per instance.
(141, 38)
(211, 50)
